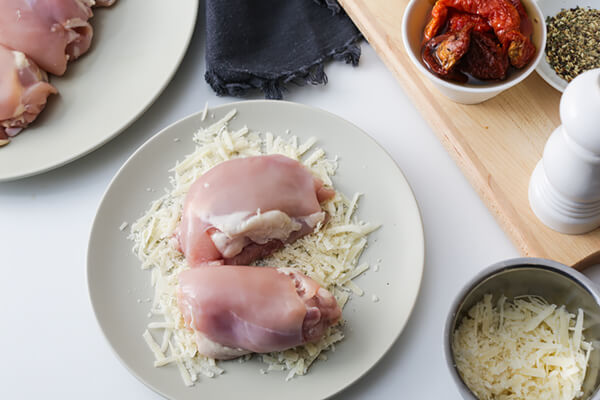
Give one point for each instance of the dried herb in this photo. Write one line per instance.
(573, 44)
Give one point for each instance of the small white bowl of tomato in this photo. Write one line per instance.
(472, 50)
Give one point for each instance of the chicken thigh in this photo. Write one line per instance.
(104, 3)
(24, 89)
(235, 310)
(51, 32)
(246, 208)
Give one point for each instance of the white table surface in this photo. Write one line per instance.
(51, 345)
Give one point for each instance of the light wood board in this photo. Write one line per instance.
(496, 144)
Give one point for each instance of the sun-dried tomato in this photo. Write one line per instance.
(485, 59)
(443, 52)
(526, 27)
(507, 18)
(458, 20)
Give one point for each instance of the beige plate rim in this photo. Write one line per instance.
(128, 67)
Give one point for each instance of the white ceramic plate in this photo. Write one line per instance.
(116, 281)
(550, 8)
(138, 45)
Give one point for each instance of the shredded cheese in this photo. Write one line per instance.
(521, 349)
(329, 255)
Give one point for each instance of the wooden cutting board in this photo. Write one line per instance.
(496, 144)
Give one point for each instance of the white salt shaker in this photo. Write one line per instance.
(564, 190)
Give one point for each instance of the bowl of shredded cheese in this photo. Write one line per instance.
(525, 328)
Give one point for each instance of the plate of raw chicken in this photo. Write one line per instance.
(276, 248)
(75, 73)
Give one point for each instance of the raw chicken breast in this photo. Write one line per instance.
(51, 32)
(246, 208)
(99, 3)
(24, 89)
(236, 310)
(104, 3)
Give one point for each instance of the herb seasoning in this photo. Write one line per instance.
(573, 44)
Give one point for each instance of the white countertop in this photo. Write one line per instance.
(52, 347)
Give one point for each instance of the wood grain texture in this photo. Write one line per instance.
(496, 144)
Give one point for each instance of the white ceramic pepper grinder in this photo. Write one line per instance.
(564, 190)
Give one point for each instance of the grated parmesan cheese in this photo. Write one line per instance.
(521, 349)
(329, 255)
(204, 112)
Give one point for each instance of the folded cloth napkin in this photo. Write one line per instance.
(266, 44)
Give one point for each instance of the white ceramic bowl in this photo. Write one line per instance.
(417, 15)
(550, 8)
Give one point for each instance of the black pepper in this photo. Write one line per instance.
(573, 43)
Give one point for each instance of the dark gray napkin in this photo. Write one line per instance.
(266, 44)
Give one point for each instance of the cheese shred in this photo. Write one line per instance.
(521, 349)
(329, 255)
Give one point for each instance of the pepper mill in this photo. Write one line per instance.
(564, 190)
